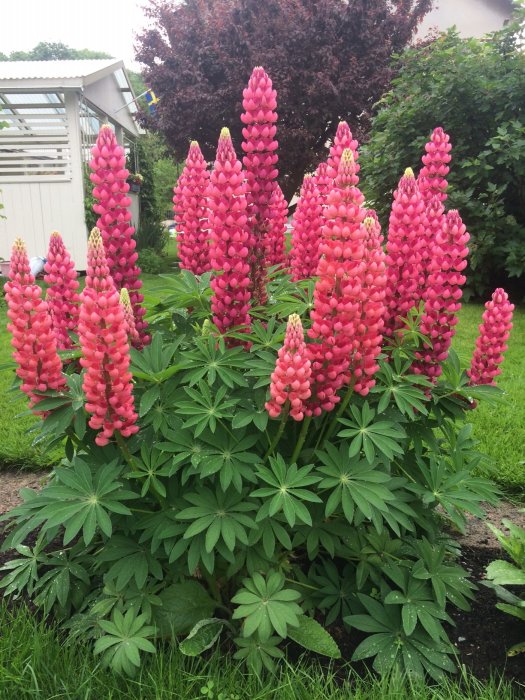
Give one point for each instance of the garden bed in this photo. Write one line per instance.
(481, 635)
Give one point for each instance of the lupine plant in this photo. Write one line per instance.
(263, 474)
(110, 191)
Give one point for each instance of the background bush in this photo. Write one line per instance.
(475, 90)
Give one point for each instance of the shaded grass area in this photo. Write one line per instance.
(35, 663)
(500, 430)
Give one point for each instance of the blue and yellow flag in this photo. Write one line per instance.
(152, 100)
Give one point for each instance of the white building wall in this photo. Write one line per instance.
(472, 18)
(33, 210)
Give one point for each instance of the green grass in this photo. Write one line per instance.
(36, 664)
(500, 430)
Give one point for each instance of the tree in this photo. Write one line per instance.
(51, 51)
(328, 59)
(474, 89)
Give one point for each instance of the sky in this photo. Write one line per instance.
(101, 25)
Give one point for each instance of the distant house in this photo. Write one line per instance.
(472, 18)
(53, 111)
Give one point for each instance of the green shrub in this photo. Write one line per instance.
(215, 522)
(151, 235)
(150, 262)
(475, 90)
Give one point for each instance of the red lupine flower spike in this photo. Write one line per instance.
(111, 192)
(290, 383)
(33, 339)
(404, 248)
(306, 231)
(368, 335)
(443, 294)
(338, 291)
(230, 240)
(62, 296)
(102, 332)
(432, 176)
(260, 161)
(191, 213)
(491, 343)
(323, 181)
(276, 236)
(343, 140)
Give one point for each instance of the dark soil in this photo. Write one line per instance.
(483, 635)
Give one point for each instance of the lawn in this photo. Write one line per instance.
(500, 430)
(35, 663)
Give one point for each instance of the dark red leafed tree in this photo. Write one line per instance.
(329, 60)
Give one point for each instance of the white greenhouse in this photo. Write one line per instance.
(52, 111)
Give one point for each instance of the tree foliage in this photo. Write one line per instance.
(475, 90)
(329, 60)
(53, 51)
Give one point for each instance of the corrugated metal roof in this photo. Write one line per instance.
(51, 70)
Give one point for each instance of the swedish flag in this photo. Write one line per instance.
(152, 100)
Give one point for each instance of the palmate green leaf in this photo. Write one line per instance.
(414, 654)
(55, 585)
(230, 455)
(456, 492)
(353, 484)
(129, 561)
(221, 516)
(23, 571)
(336, 589)
(258, 653)
(125, 637)
(448, 580)
(80, 499)
(204, 409)
(154, 362)
(372, 437)
(402, 389)
(288, 487)
(261, 366)
(212, 361)
(267, 336)
(266, 606)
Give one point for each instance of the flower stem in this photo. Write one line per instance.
(302, 437)
(279, 433)
(342, 408)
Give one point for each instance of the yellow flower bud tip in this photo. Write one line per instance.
(369, 222)
(105, 126)
(19, 245)
(95, 239)
(308, 176)
(225, 133)
(348, 157)
(194, 143)
(294, 320)
(409, 172)
(124, 297)
(55, 234)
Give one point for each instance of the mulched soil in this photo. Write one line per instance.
(481, 635)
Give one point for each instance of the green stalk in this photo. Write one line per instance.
(279, 433)
(302, 437)
(342, 408)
